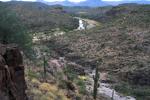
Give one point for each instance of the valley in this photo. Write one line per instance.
(106, 90)
(69, 55)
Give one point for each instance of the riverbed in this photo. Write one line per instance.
(104, 89)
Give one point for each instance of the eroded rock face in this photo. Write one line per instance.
(138, 77)
(12, 81)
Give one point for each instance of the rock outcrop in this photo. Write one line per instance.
(12, 81)
(138, 77)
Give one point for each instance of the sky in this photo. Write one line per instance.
(76, 1)
(124, 0)
(49, 0)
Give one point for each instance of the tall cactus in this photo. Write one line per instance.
(44, 66)
(96, 79)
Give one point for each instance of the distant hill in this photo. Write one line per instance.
(87, 12)
(89, 3)
(94, 3)
(128, 15)
(41, 17)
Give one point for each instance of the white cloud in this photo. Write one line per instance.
(53, 0)
(5, 0)
(28, 0)
(76, 0)
(112, 0)
(123, 0)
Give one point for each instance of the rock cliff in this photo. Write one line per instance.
(12, 81)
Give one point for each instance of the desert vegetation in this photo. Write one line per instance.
(60, 60)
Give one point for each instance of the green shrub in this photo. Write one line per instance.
(32, 74)
(82, 87)
(70, 73)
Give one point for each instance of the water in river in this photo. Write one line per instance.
(81, 25)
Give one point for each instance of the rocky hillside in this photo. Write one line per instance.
(41, 17)
(128, 15)
(122, 42)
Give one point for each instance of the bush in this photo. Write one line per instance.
(32, 74)
(70, 73)
(82, 87)
(73, 77)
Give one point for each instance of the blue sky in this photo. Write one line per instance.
(49, 0)
(82, 0)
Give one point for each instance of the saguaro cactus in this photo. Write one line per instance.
(44, 65)
(96, 79)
